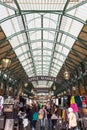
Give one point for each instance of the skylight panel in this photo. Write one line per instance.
(35, 35)
(22, 58)
(4, 12)
(38, 52)
(47, 59)
(26, 67)
(37, 58)
(35, 23)
(48, 33)
(82, 12)
(6, 29)
(47, 52)
(48, 45)
(24, 63)
(75, 28)
(36, 45)
(18, 51)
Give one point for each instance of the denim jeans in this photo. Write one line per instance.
(34, 125)
(49, 123)
(42, 124)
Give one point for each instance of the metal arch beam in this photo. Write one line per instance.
(50, 29)
(48, 56)
(46, 61)
(8, 6)
(57, 33)
(9, 17)
(39, 49)
(45, 65)
(60, 54)
(39, 40)
(12, 70)
(37, 29)
(40, 55)
(25, 27)
(42, 11)
(44, 17)
(75, 18)
(76, 6)
(65, 14)
(8, 38)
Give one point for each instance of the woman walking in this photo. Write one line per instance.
(43, 113)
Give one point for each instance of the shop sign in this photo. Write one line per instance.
(47, 78)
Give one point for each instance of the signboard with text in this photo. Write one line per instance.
(47, 78)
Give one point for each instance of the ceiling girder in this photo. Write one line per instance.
(76, 6)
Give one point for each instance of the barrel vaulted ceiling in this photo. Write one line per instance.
(41, 35)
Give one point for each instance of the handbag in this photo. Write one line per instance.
(40, 116)
(25, 122)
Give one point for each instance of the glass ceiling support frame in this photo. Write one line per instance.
(57, 33)
(24, 13)
(66, 33)
(39, 49)
(27, 35)
(25, 59)
(42, 42)
(46, 29)
(76, 6)
(8, 6)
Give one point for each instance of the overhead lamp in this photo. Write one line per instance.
(5, 76)
(66, 75)
(26, 84)
(6, 62)
(54, 87)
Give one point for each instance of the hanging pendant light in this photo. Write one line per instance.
(54, 87)
(6, 62)
(66, 74)
(26, 84)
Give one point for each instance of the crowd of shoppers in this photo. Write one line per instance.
(45, 114)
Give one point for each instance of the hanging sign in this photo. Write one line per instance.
(47, 78)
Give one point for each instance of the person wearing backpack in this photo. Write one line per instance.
(35, 118)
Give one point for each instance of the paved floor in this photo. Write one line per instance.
(46, 127)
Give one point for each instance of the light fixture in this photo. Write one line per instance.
(32, 91)
(5, 76)
(66, 74)
(6, 62)
(54, 87)
(26, 84)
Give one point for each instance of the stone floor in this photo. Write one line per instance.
(58, 127)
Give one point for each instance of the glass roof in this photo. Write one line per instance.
(42, 32)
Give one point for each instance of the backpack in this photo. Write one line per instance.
(35, 116)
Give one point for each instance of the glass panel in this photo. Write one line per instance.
(43, 39)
